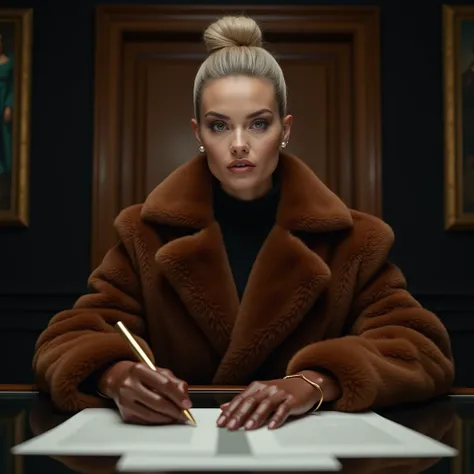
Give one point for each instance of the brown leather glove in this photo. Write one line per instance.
(144, 396)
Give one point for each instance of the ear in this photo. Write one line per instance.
(195, 127)
(287, 122)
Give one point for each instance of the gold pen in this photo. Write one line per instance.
(140, 353)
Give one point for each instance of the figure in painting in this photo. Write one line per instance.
(6, 117)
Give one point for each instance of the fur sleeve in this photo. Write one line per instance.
(396, 351)
(80, 342)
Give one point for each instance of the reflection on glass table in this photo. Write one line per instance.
(24, 415)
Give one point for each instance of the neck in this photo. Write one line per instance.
(250, 194)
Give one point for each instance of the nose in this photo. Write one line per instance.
(239, 145)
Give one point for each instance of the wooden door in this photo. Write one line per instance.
(147, 58)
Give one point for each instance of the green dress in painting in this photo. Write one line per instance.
(6, 149)
(6, 100)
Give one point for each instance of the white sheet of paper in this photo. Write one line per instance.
(146, 462)
(326, 434)
(347, 435)
(101, 431)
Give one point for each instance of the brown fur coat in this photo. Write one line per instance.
(321, 295)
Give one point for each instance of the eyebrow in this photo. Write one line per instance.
(252, 115)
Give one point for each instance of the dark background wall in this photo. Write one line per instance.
(44, 268)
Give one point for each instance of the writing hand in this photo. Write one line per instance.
(273, 401)
(145, 396)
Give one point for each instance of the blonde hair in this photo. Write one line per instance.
(235, 47)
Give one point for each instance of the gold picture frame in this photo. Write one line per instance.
(15, 85)
(12, 432)
(458, 73)
(464, 442)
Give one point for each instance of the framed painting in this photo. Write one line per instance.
(15, 78)
(458, 45)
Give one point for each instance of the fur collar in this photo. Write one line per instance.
(184, 199)
(287, 276)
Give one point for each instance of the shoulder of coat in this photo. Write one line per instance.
(364, 223)
(128, 219)
(130, 226)
(370, 237)
(129, 223)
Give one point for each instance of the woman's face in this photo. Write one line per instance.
(241, 131)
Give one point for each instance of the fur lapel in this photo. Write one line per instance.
(197, 267)
(287, 276)
(284, 283)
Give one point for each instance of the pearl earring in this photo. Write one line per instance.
(201, 149)
(283, 144)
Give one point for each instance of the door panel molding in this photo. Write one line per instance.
(116, 23)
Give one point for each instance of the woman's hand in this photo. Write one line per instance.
(144, 396)
(273, 400)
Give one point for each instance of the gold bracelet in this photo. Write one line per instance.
(314, 384)
(103, 395)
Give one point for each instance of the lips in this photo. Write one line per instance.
(241, 164)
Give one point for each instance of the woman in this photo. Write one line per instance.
(6, 112)
(242, 267)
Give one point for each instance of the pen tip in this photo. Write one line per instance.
(190, 417)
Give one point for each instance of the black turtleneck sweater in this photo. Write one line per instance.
(245, 226)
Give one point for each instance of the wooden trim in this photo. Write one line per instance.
(114, 21)
(463, 391)
(192, 388)
(202, 389)
(17, 388)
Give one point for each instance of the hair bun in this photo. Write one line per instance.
(231, 31)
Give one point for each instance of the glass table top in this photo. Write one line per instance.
(450, 421)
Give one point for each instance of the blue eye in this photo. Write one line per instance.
(217, 126)
(260, 124)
